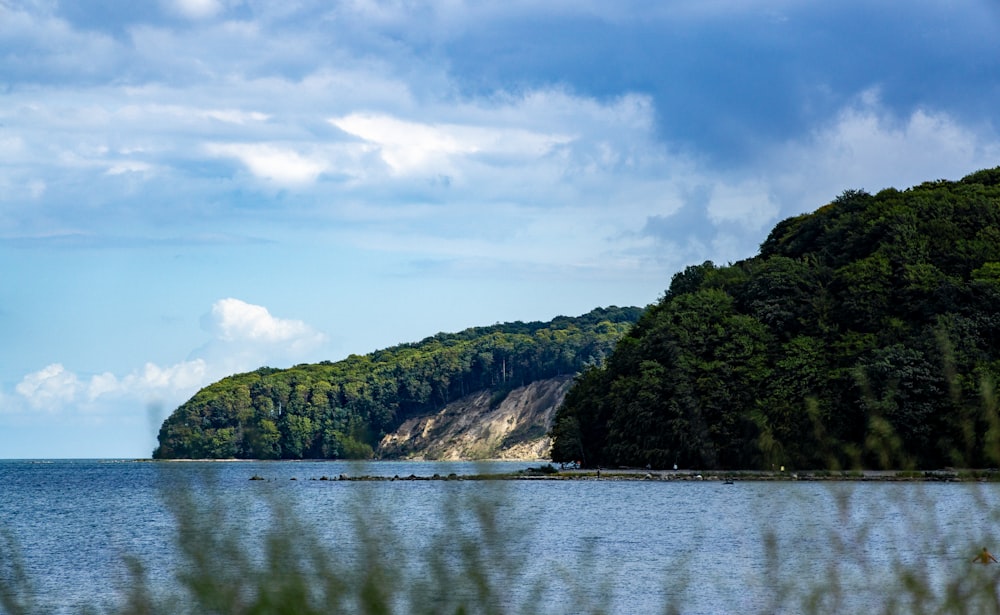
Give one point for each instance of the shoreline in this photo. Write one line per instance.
(722, 477)
(546, 471)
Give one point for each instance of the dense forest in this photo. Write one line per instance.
(865, 334)
(342, 409)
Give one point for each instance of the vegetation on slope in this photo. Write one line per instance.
(342, 409)
(872, 324)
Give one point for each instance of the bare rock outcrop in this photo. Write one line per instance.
(479, 426)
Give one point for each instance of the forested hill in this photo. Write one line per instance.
(342, 409)
(866, 333)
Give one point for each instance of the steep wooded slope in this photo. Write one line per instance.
(343, 409)
(865, 333)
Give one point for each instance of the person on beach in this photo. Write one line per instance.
(984, 557)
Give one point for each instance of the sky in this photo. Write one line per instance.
(195, 188)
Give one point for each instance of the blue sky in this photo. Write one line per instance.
(193, 188)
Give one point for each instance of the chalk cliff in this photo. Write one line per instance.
(479, 426)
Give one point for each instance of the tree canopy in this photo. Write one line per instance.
(342, 409)
(865, 333)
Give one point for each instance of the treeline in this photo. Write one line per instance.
(866, 333)
(342, 409)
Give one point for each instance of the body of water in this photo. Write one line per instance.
(637, 546)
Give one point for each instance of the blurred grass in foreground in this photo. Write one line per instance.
(469, 566)
(475, 563)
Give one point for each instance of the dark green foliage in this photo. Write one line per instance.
(341, 410)
(869, 325)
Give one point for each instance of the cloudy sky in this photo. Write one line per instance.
(193, 188)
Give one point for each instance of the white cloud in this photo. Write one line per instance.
(196, 9)
(246, 336)
(867, 147)
(181, 376)
(561, 177)
(408, 146)
(747, 204)
(565, 181)
(237, 320)
(281, 165)
(152, 381)
(54, 388)
(128, 166)
(49, 388)
(187, 115)
(233, 320)
(103, 384)
(235, 116)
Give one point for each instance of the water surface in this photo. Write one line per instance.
(706, 546)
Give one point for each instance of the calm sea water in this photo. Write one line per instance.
(704, 547)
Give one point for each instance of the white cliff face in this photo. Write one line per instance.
(477, 427)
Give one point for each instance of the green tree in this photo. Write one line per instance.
(343, 409)
(869, 323)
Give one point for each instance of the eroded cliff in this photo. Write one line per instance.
(479, 427)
